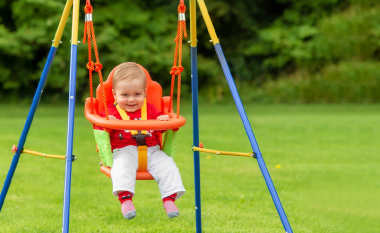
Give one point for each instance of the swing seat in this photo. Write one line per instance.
(154, 96)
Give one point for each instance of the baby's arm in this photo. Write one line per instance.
(163, 118)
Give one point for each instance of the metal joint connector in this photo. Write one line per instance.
(181, 16)
(88, 17)
(59, 41)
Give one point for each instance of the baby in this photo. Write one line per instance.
(129, 91)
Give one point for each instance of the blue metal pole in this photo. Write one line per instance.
(70, 137)
(252, 138)
(28, 123)
(197, 177)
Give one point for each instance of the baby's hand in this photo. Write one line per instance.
(112, 117)
(163, 118)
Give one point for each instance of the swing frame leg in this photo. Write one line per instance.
(71, 113)
(194, 89)
(36, 100)
(252, 139)
(27, 125)
(243, 116)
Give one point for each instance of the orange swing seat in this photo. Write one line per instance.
(154, 96)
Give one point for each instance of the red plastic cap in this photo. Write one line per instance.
(14, 148)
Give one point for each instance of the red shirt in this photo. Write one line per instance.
(123, 138)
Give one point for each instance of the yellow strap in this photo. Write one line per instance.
(125, 116)
(143, 158)
(142, 150)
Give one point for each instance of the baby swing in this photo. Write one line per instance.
(138, 129)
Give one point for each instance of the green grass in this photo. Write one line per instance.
(328, 180)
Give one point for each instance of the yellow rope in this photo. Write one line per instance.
(222, 152)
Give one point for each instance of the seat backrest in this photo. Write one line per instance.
(154, 91)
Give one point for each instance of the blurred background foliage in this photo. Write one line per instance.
(284, 51)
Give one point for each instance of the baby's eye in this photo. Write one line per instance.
(137, 94)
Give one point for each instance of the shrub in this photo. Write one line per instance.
(347, 82)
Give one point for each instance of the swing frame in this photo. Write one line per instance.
(194, 81)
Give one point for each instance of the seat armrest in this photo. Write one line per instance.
(95, 104)
(165, 102)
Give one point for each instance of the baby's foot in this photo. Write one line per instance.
(128, 209)
(171, 209)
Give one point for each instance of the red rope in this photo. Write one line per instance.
(177, 69)
(91, 66)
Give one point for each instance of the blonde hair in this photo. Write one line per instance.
(128, 71)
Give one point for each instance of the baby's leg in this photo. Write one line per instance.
(123, 172)
(165, 172)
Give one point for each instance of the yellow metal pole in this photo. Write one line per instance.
(74, 32)
(27, 151)
(206, 17)
(222, 152)
(62, 23)
(193, 23)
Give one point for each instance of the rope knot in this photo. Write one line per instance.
(176, 70)
(90, 66)
(173, 70)
(88, 9)
(181, 9)
(179, 70)
(98, 67)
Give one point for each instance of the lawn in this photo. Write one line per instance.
(323, 159)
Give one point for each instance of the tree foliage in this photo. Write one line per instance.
(262, 40)
(125, 31)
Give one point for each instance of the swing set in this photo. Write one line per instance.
(95, 105)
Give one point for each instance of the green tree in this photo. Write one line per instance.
(125, 31)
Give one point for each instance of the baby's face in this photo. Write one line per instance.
(130, 95)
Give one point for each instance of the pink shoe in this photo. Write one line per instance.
(128, 210)
(171, 209)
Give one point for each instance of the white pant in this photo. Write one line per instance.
(160, 166)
